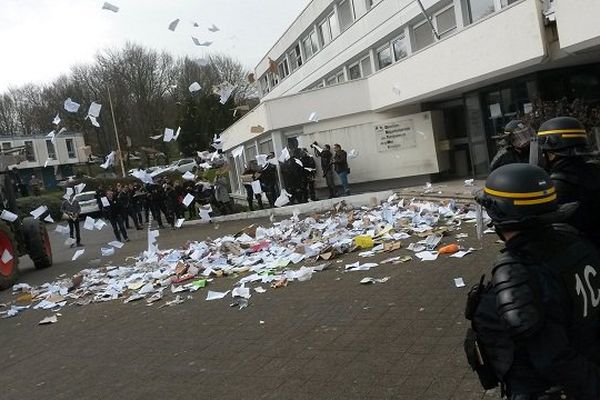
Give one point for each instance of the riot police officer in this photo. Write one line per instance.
(515, 145)
(564, 143)
(535, 325)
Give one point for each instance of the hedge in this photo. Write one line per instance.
(52, 200)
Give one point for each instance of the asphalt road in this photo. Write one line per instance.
(328, 338)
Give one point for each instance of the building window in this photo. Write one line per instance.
(310, 45)
(400, 47)
(70, 148)
(478, 9)
(6, 146)
(283, 69)
(346, 14)
(384, 56)
(445, 21)
(340, 77)
(334, 25)
(51, 149)
(365, 66)
(332, 80)
(273, 79)
(251, 153)
(29, 150)
(354, 71)
(295, 57)
(325, 32)
(264, 84)
(266, 147)
(423, 35)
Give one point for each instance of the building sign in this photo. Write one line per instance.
(395, 134)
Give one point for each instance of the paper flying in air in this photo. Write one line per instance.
(49, 219)
(94, 109)
(110, 7)
(225, 91)
(107, 251)
(38, 211)
(256, 188)
(459, 282)
(79, 187)
(285, 155)
(116, 244)
(176, 136)
(353, 153)
(61, 229)
(94, 121)
(89, 224)
(6, 256)
(105, 202)
(214, 28)
(202, 44)
(46, 162)
(156, 137)
(187, 200)
(173, 25)
(261, 159)
(77, 254)
(110, 160)
(168, 136)
(71, 106)
(313, 117)
(179, 222)
(56, 120)
(194, 87)
(99, 224)
(8, 216)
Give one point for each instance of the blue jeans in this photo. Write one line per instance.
(344, 179)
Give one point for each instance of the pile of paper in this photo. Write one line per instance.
(262, 256)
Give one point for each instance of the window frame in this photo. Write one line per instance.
(403, 36)
(5, 148)
(320, 34)
(352, 14)
(72, 151)
(362, 70)
(379, 50)
(355, 64)
(265, 89)
(33, 155)
(283, 63)
(435, 22)
(415, 26)
(50, 145)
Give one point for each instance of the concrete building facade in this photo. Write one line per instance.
(416, 91)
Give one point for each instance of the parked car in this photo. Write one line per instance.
(88, 204)
(184, 165)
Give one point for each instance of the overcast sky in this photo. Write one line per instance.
(41, 39)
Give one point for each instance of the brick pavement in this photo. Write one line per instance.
(329, 338)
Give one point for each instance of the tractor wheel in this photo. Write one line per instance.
(37, 242)
(8, 270)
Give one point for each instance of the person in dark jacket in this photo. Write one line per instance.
(123, 199)
(326, 166)
(114, 213)
(514, 145)
(340, 166)
(156, 203)
(309, 171)
(268, 180)
(72, 209)
(250, 175)
(170, 203)
(534, 327)
(576, 176)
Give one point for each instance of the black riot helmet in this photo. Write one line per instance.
(518, 133)
(521, 196)
(564, 136)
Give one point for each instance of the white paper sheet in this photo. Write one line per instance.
(49, 219)
(38, 211)
(285, 155)
(187, 200)
(94, 109)
(49, 320)
(104, 201)
(8, 216)
(256, 188)
(56, 120)
(168, 135)
(62, 229)
(194, 87)
(6, 256)
(107, 251)
(173, 25)
(427, 255)
(313, 117)
(237, 152)
(188, 176)
(99, 224)
(176, 135)
(110, 7)
(94, 121)
(261, 160)
(242, 292)
(216, 295)
(116, 243)
(89, 224)
(214, 28)
(459, 282)
(79, 188)
(77, 254)
(179, 222)
(71, 106)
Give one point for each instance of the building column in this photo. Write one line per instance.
(459, 14)
(373, 63)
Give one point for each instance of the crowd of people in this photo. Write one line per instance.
(535, 325)
(298, 173)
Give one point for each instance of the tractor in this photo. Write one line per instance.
(20, 237)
